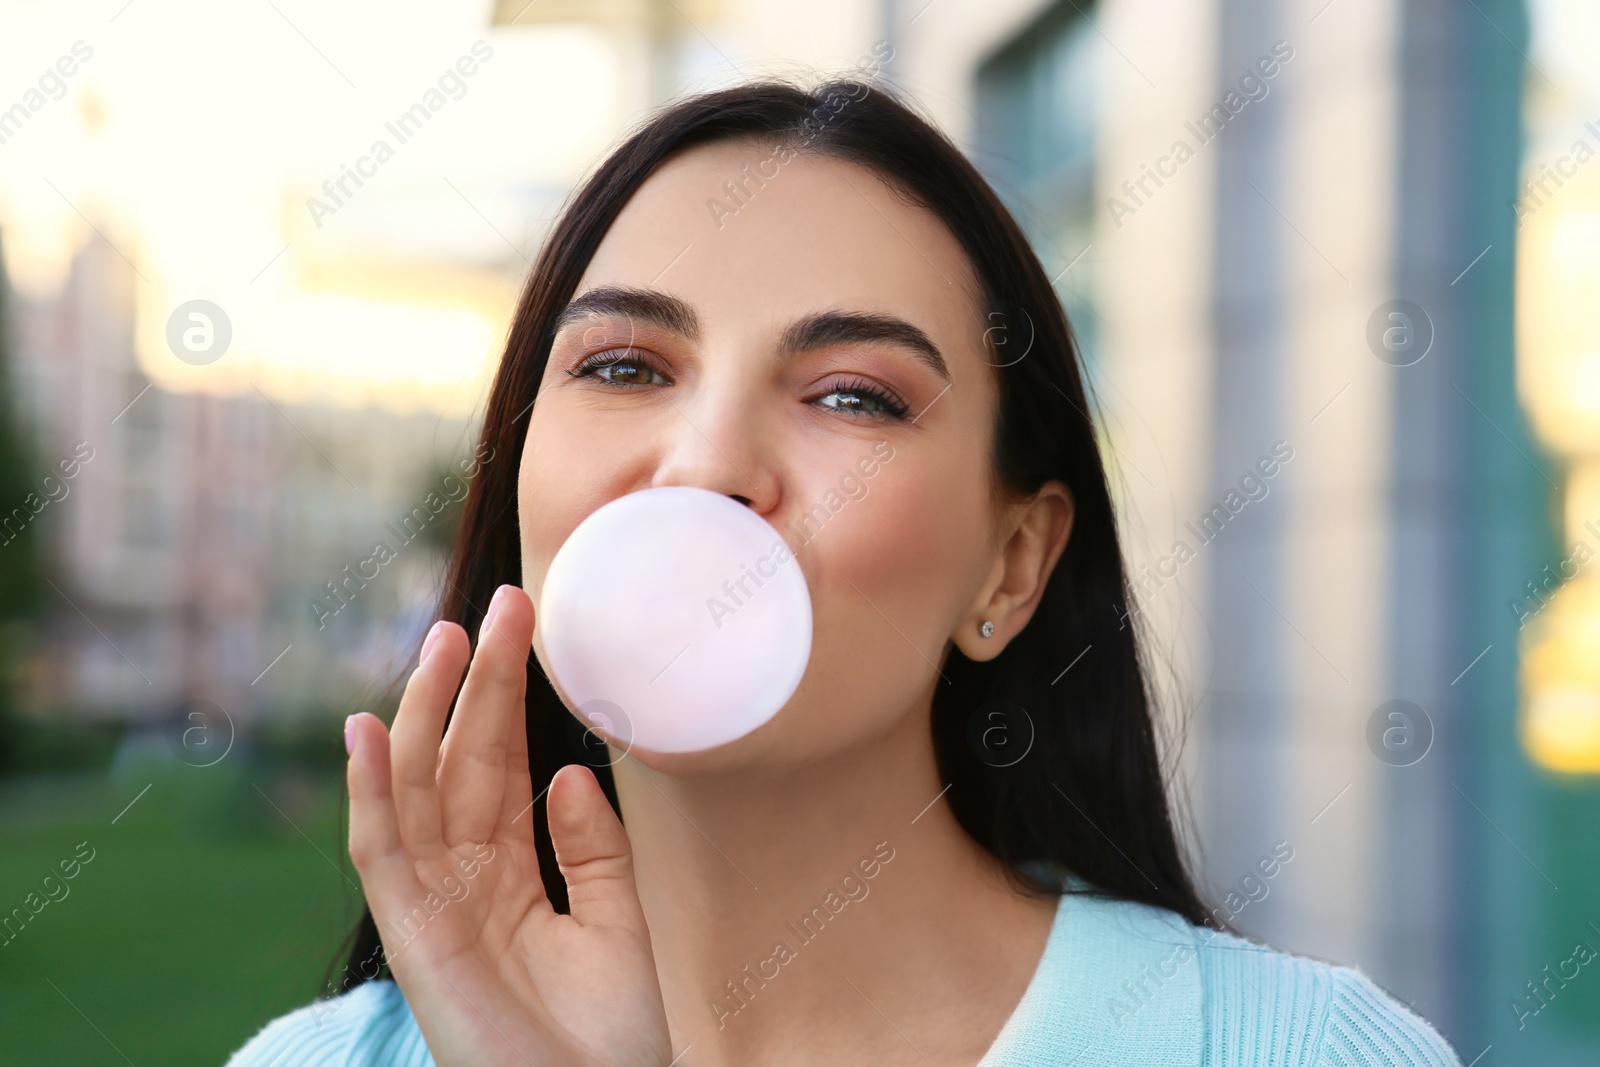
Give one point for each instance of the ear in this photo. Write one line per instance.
(1035, 535)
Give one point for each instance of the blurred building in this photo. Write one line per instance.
(212, 547)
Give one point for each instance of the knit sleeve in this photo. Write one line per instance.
(371, 1024)
(1366, 1027)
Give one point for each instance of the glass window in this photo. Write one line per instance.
(1037, 107)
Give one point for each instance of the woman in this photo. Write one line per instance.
(953, 845)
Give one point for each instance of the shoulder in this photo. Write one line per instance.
(1305, 1011)
(1129, 983)
(370, 1024)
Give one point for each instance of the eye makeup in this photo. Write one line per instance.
(889, 405)
(624, 366)
(591, 366)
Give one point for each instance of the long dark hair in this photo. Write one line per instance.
(1089, 797)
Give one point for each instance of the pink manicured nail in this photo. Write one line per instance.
(349, 737)
(427, 642)
(494, 606)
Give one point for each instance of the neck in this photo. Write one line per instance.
(770, 895)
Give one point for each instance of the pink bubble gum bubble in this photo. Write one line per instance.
(675, 619)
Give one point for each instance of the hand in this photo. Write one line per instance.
(443, 840)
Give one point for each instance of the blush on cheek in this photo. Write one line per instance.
(538, 539)
(884, 579)
(902, 548)
(558, 486)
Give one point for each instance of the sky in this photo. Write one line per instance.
(192, 137)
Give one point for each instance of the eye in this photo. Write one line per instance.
(616, 369)
(862, 398)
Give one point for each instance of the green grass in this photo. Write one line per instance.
(203, 914)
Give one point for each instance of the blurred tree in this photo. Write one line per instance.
(21, 576)
(443, 481)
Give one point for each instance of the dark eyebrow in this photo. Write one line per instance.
(804, 335)
(845, 327)
(646, 305)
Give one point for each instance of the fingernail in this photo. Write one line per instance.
(427, 642)
(494, 606)
(349, 737)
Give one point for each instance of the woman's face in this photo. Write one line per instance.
(776, 353)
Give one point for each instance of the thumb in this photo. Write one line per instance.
(593, 851)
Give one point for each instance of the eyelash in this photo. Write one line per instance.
(610, 358)
(892, 406)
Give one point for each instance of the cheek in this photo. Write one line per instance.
(564, 475)
(907, 548)
(551, 490)
(890, 575)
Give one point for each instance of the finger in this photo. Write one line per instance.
(415, 739)
(516, 806)
(388, 875)
(477, 748)
(593, 850)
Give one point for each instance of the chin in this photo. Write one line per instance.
(813, 727)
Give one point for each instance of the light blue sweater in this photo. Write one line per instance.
(1119, 985)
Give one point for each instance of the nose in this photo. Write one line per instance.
(718, 445)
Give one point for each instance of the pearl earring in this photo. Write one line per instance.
(987, 629)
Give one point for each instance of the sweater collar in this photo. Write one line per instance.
(1118, 982)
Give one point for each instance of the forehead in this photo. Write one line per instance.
(748, 238)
